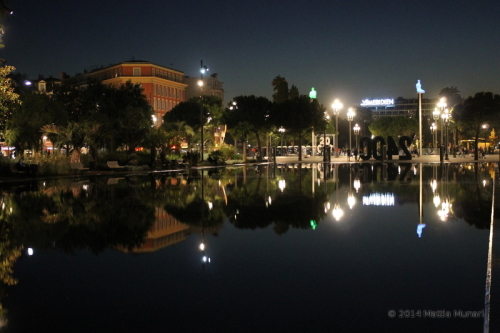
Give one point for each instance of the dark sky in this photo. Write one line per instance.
(345, 49)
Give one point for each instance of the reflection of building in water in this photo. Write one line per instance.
(165, 231)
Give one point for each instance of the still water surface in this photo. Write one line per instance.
(294, 248)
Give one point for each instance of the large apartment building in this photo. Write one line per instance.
(163, 87)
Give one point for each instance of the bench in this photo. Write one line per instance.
(78, 167)
(16, 171)
(113, 165)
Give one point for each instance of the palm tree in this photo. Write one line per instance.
(179, 131)
(280, 87)
(95, 136)
(74, 134)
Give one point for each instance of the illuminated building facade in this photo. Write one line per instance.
(163, 87)
(211, 87)
(399, 107)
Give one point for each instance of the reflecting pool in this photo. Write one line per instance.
(289, 248)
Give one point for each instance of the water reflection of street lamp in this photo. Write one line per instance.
(357, 184)
(336, 110)
(281, 184)
(337, 211)
(351, 200)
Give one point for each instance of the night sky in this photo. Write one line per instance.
(349, 50)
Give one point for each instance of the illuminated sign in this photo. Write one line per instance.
(377, 102)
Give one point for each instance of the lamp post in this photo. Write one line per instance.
(203, 70)
(325, 157)
(433, 130)
(485, 127)
(356, 129)
(446, 119)
(441, 106)
(350, 116)
(282, 131)
(336, 110)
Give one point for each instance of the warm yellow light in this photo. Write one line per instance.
(351, 201)
(337, 212)
(336, 106)
(350, 114)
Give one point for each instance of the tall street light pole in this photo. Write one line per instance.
(446, 120)
(336, 110)
(436, 115)
(325, 157)
(356, 129)
(433, 130)
(203, 70)
(350, 117)
(441, 106)
(282, 131)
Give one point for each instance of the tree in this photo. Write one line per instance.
(8, 98)
(298, 116)
(394, 126)
(23, 128)
(250, 116)
(280, 87)
(74, 134)
(475, 112)
(178, 131)
(452, 95)
(123, 111)
(294, 92)
(188, 112)
(191, 113)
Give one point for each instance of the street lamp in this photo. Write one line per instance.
(350, 116)
(485, 128)
(203, 70)
(446, 120)
(356, 129)
(336, 110)
(441, 106)
(433, 130)
(282, 131)
(325, 157)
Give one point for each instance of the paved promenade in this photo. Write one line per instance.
(415, 159)
(279, 159)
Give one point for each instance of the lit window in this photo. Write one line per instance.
(137, 71)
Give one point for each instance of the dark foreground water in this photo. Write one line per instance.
(356, 248)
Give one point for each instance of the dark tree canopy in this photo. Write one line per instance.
(481, 109)
(394, 126)
(280, 87)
